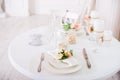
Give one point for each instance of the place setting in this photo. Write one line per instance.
(61, 62)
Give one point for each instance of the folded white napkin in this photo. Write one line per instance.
(71, 61)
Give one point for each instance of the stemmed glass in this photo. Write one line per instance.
(60, 39)
(99, 39)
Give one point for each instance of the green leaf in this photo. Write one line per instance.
(67, 26)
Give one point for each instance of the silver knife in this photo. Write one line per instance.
(86, 58)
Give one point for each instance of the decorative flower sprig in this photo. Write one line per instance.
(64, 54)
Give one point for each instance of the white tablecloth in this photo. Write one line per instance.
(25, 58)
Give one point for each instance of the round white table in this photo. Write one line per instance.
(25, 58)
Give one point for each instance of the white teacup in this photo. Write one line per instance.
(35, 40)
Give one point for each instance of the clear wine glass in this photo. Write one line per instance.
(99, 39)
(60, 39)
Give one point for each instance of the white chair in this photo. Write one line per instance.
(45, 6)
(17, 7)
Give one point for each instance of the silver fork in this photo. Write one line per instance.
(41, 60)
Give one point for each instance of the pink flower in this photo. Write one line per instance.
(76, 26)
(86, 18)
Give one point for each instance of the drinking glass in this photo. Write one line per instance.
(99, 39)
(60, 39)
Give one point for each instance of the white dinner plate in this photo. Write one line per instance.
(59, 67)
(68, 70)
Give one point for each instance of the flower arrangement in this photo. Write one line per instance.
(69, 21)
(69, 26)
(87, 20)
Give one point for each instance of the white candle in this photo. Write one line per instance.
(107, 35)
(99, 25)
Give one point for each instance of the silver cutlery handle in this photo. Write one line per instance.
(39, 67)
(41, 60)
(88, 63)
(86, 58)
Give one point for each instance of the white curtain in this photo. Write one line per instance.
(110, 11)
(1, 5)
(45, 6)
